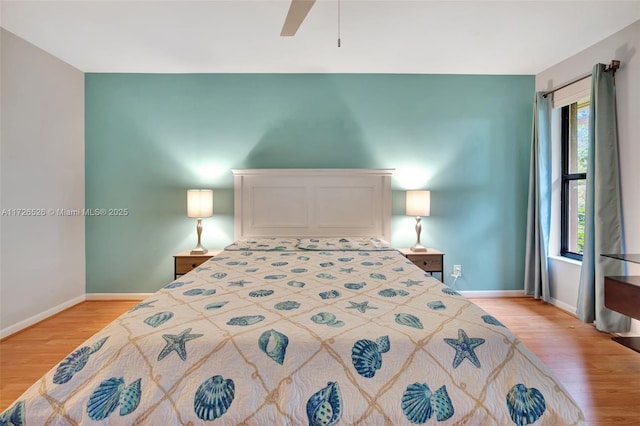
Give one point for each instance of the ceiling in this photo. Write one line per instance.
(241, 36)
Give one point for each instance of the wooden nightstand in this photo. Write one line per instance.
(429, 261)
(184, 262)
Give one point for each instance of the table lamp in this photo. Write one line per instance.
(199, 205)
(418, 204)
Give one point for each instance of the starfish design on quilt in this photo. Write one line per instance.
(411, 282)
(347, 270)
(464, 346)
(177, 343)
(143, 305)
(240, 283)
(261, 258)
(203, 268)
(362, 307)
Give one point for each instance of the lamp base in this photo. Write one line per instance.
(199, 251)
(418, 248)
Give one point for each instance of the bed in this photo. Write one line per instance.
(309, 317)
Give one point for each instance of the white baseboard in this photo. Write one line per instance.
(117, 296)
(39, 317)
(564, 306)
(491, 293)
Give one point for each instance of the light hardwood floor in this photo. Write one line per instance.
(600, 374)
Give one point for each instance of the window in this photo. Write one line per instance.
(575, 136)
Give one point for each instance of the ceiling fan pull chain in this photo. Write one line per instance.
(338, 23)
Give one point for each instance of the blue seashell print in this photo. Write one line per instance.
(260, 293)
(323, 318)
(298, 284)
(398, 269)
(416, 403)
(326, 276)
(383, 344)
(236, 263)
(330, 294)
(215, 305)
(105, 398)
(277, 264)
(303, 258)
(366, 357)
(441, 404)
(401, 292)
(377, 276)
(219, 275)
(449, 291)
(371, 263)
(388, 292)
(130, 398)
(324, 408)
(327, 318)
(355, 286)
(287, 305)
(158, 319)
(327, 264)
(299, 270)
(14, 416)
(526, 405)
(489, 319)
(274, 277)
(363, 253)
(213, 398)
(175, 284)
(274, 344)
(437, 305)
(75, 362)
(193, 292)
(251, 270)
(419, 403)
(409, 320)
(245, 320)
(209, 292)
(345, 259)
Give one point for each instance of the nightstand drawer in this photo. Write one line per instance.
(186, 264)
(427, 262)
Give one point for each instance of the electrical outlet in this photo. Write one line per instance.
(457, 271)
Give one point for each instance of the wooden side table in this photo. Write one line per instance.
(184, 262)
(429, 261)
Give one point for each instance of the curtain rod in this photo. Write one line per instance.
(613, 66)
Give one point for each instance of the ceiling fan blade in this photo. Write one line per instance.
(298, 10)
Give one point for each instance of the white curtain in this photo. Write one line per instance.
(603, 213)
(536, 280)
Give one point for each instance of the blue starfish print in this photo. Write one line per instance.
(177, 343)
(261, 258)
(411, 282)
(203, 268)
(240, 283)
(347, 270)
(387, 258)
(362, 307)
(464, 346)
(143, 305)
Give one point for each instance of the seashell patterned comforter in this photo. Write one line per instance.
(257, 336)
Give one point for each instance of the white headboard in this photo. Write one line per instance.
(312, 203)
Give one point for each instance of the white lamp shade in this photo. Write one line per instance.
(199, 203)
(418, 203)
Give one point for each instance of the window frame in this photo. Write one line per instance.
(566, 178)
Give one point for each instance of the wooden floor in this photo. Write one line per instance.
(601, 375)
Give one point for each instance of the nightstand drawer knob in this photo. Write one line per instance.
(193, 265)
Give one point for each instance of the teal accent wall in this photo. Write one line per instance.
(150, 137)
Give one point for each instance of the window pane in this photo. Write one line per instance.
(579, 136)
(575, 211)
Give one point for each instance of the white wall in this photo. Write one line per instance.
(42, 259)
(624, 46)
